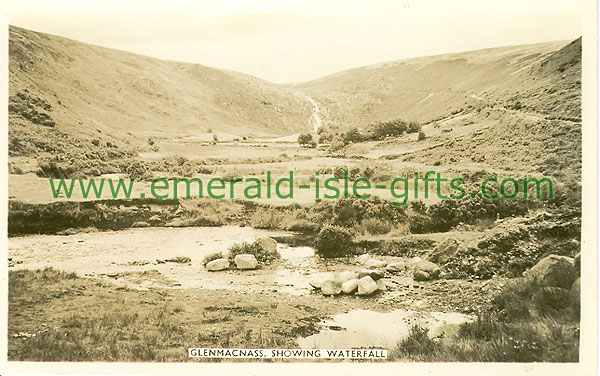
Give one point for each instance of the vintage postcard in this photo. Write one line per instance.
(400, 187)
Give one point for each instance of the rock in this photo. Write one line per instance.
(155, 219)
(577, 263)
(428, 267)
(381, 285)
(217, 265)
(553, 271)
(318, 279)
(346, 276)
(245, 261)
(396, 266)
(374, 274)
(140, 224)
(350, 287)
(375, 264)
(268, 244)
(331, 287)
(363, 258)
(420, 275)
(445, 250)
(413, 261)
(366, 286)
(576, 287)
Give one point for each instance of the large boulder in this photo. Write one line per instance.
(374, 264)
(445, 250)
(428, 267)
(245, 261)
(374, 274)
(553, 271)
(317, 280)
(331, 287)
(381, 286)
(366, 286)
(217, 265)
(396, 266)
(577, 263)
(350, 287)
(576, 288)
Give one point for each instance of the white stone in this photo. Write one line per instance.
(217, 265)
(245, 261)
(350, 287)
(366, 286)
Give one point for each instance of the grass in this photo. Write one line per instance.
(58, 316)
(518, 326)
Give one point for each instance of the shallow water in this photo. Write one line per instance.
(363, 328)
(117, 254)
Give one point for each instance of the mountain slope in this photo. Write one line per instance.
(427, 88)
(86, 90)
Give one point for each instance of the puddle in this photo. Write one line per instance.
(363, 329)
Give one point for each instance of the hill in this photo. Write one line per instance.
(69, 89)
(429, 88)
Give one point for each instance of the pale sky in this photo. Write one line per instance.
(293, 47)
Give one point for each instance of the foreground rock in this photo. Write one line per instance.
(245, 261)
(413, 262)
(331, 287)
(366, 286)
(553, 271)
(350, 287)
(381, 286)
(217, 265)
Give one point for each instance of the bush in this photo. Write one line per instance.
(303, 225)
(210, 257)
(267, 219)
(305, 139)
(333, 241)
(421, 136)
(375, 226)
(413, 127)
(262, 254)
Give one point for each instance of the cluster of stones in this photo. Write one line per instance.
(365, 282)
(242, 261)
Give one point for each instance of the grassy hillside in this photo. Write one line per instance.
(428, 88)
(63, 87)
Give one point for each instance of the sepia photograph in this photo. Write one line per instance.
(408, 185)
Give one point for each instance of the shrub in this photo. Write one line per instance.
(418, 343)
(262, 254)
(267, 219)
(421, 136)
(375, 226)
(303, 225)
(305, 139)
(210, 257)
(333, 241)
(413, 127)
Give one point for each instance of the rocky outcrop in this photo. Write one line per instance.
(445, 250)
